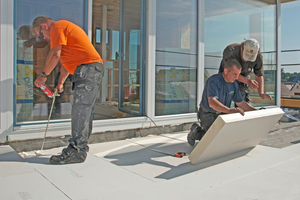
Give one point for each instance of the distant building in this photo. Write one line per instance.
(285, 90)
(296, 89)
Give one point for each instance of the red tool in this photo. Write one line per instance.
(180, 154)
(177, 154)
(47, 90)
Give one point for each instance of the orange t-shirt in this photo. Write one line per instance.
(77, 48)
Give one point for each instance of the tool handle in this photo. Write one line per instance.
(53, 100)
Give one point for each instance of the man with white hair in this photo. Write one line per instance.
(249, 56)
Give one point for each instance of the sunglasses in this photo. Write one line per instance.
(41, 35)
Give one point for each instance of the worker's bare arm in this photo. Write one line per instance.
(219, 107)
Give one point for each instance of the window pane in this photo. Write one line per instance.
(131, 63)
(290, 60)
(176, 57)
(290, 54)
(32, 103)
(106, 107)
(228, 22)
(115, 45)
(98, 36)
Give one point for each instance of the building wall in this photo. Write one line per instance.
(208, 22)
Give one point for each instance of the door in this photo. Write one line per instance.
(132, 56)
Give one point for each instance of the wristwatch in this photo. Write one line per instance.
(44, 75)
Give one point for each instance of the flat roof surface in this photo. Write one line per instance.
(129, 169)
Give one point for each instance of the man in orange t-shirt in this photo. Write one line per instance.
(70, 44)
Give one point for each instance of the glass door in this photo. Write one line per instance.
(132, 56)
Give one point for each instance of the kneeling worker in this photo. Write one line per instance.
(220, 89)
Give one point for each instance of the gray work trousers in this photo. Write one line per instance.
(86, 80)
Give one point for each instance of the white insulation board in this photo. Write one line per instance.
(231, 133)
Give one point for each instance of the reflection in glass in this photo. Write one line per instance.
(98, 36)
(176, 57)
(290, 60)
(131, 62)
(31, 102)
(106, 107)
(228, 22)
(290, 54)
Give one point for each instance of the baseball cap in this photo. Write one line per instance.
(251, 48)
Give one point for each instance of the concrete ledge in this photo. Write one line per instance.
(33, 144)
(98, 137)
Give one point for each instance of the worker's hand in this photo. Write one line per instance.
(266, 96)
(39, 81)
(60, 88)
(253, 84)
(29, 43)
(237, 110)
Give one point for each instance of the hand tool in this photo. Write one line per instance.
(53, 100)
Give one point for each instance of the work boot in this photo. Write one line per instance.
(69, 155)
(191, 136)
(86, 148)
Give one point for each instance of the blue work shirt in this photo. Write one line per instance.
(224, 92)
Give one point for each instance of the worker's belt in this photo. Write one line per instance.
(101, 62)
(206, 111)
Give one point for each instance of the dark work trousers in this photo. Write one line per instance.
(244, 91)
(87, 80)
(206, 118)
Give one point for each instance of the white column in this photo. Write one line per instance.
(103, 46)
(6, 65)
(103, 31)
(150, 59)
(201, 51)
(278, 53)
(90, 19)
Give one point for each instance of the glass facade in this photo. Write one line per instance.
(228, 22)
(106, 15)
(131, 51)
(31, 102)
(176, 52)
(290, 60)
(176, 57)
(290, 43)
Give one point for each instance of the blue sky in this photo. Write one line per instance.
(290, 34)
